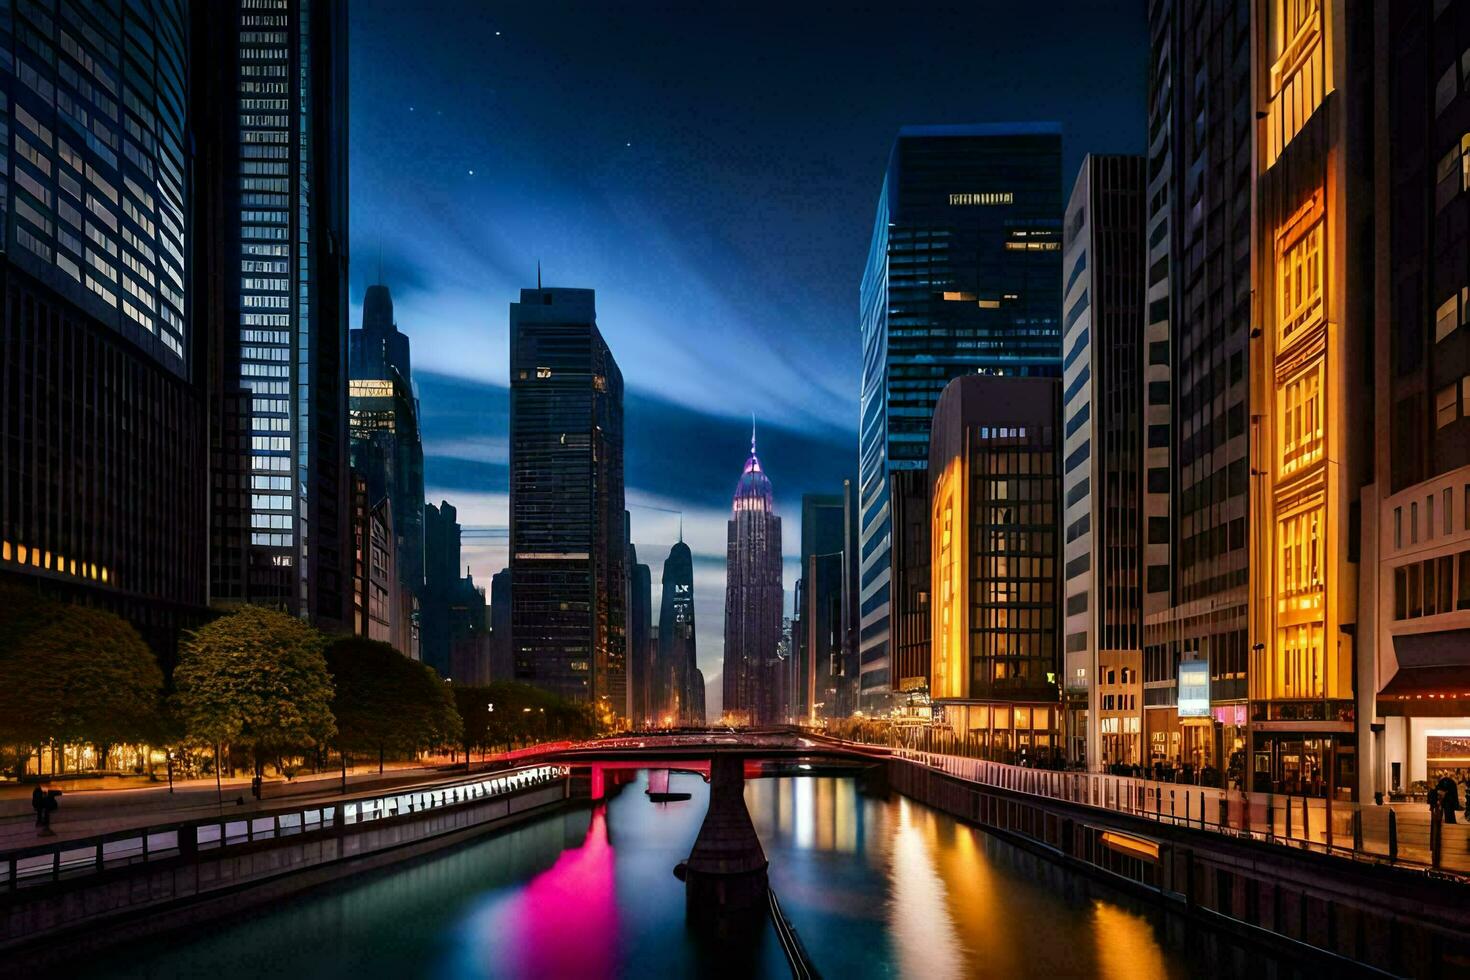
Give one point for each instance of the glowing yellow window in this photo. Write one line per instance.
(1299, 273)
(1299, 403)
(1299, 545)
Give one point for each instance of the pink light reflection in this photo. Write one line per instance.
(564, 922)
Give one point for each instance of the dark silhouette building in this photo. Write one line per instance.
(641, 669)
(272, 133)
(567, 546)
(386, 444)
(679, 686)
(441, 578)
(1103, 465)
(820, 627)
(753, 597)
(502, 663)
(963, 276)
(103, 358)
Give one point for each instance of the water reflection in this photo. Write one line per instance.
(877, 887)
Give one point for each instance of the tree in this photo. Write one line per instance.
(386, 703)
(74, 674)
(255, 679)
(521, 713)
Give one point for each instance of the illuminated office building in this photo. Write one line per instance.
(273, 188)
(995, 489)
(677, 679)
(1102, 451)
(1413, 691)
(567, 542)
(963, 276)
(102, 369)
(753, 598)
(384, 428)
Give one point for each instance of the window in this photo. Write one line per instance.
(1299, 271)
(1449, 512)
(1429, 517)
(1447, 318)
(1300, 403)
(1300, 557)
(1445, 408)
(1398, 527)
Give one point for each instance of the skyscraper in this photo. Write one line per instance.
(752, 599)
(963, 276)
(818, 641)
(441, 576)
(385, 442)
(567, 545)
(1102, 479)
(103, 497)
(640, 625)
(677, 679)
(273, 140)
(993, 463)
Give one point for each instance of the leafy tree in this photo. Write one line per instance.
(386, 703)
(255, 679)
(74, 674)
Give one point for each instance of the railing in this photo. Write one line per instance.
(1385, 834)
(797, 957)
(69, 859)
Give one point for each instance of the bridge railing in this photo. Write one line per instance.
(1405, 835)
(84, 856)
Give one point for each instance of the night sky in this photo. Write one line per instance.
(712, 170)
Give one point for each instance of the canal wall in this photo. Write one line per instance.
(1298, 901)
(44, 923)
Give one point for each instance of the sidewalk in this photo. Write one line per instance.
(84, 813)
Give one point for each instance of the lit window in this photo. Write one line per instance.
(1444, 406)
(1447, 318)
(1299, 271)
(543, 372)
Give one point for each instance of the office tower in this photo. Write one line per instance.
(272, 140)
(1311, 365)
(375, 607)
(1414, 673)
(502, 663)
(676, 665)
(470, 649)
(385, 452)
(818, 643)
(1202, 130)
(384, 429)
(640, 623)
(1102, 452)
(963, 276)
(104, 496)
(752, 598)
(442, 563)
(996, 490)
(1268, 343)
(567, 547)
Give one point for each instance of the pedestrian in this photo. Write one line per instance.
(1449, 798)
(48, 807)
(38, 803)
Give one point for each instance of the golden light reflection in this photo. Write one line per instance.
(1125, 944)
(924, 939)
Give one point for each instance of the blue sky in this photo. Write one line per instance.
(711, 170)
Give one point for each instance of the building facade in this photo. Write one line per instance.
(678, 686)
(818, 630)
(753, 598)
(994, 465)
(641, 668)
(383, 420)
(274, 192)
(104, 498)
(963, 276)
(1102, 471)
(1414, 616)
(567, 544)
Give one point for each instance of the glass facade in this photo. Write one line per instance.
(963, 276)
(282, 485)
(567, 544)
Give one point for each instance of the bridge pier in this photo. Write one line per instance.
(725, 883)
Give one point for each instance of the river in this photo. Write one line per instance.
(875, 888)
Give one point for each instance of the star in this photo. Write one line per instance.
(472, 173)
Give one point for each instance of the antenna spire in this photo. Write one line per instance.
(380, 263)
(681, 527)
(752, 433)
(538, 275)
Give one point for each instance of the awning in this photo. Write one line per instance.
(1441, 690)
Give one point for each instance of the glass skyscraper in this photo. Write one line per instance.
(103, 497)
(963, 276)
(567, 542)
(277, 194)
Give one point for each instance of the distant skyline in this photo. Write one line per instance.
(712, 171)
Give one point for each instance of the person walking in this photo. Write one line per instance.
(1449, 798)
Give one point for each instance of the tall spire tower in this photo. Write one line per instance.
(753, 693)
